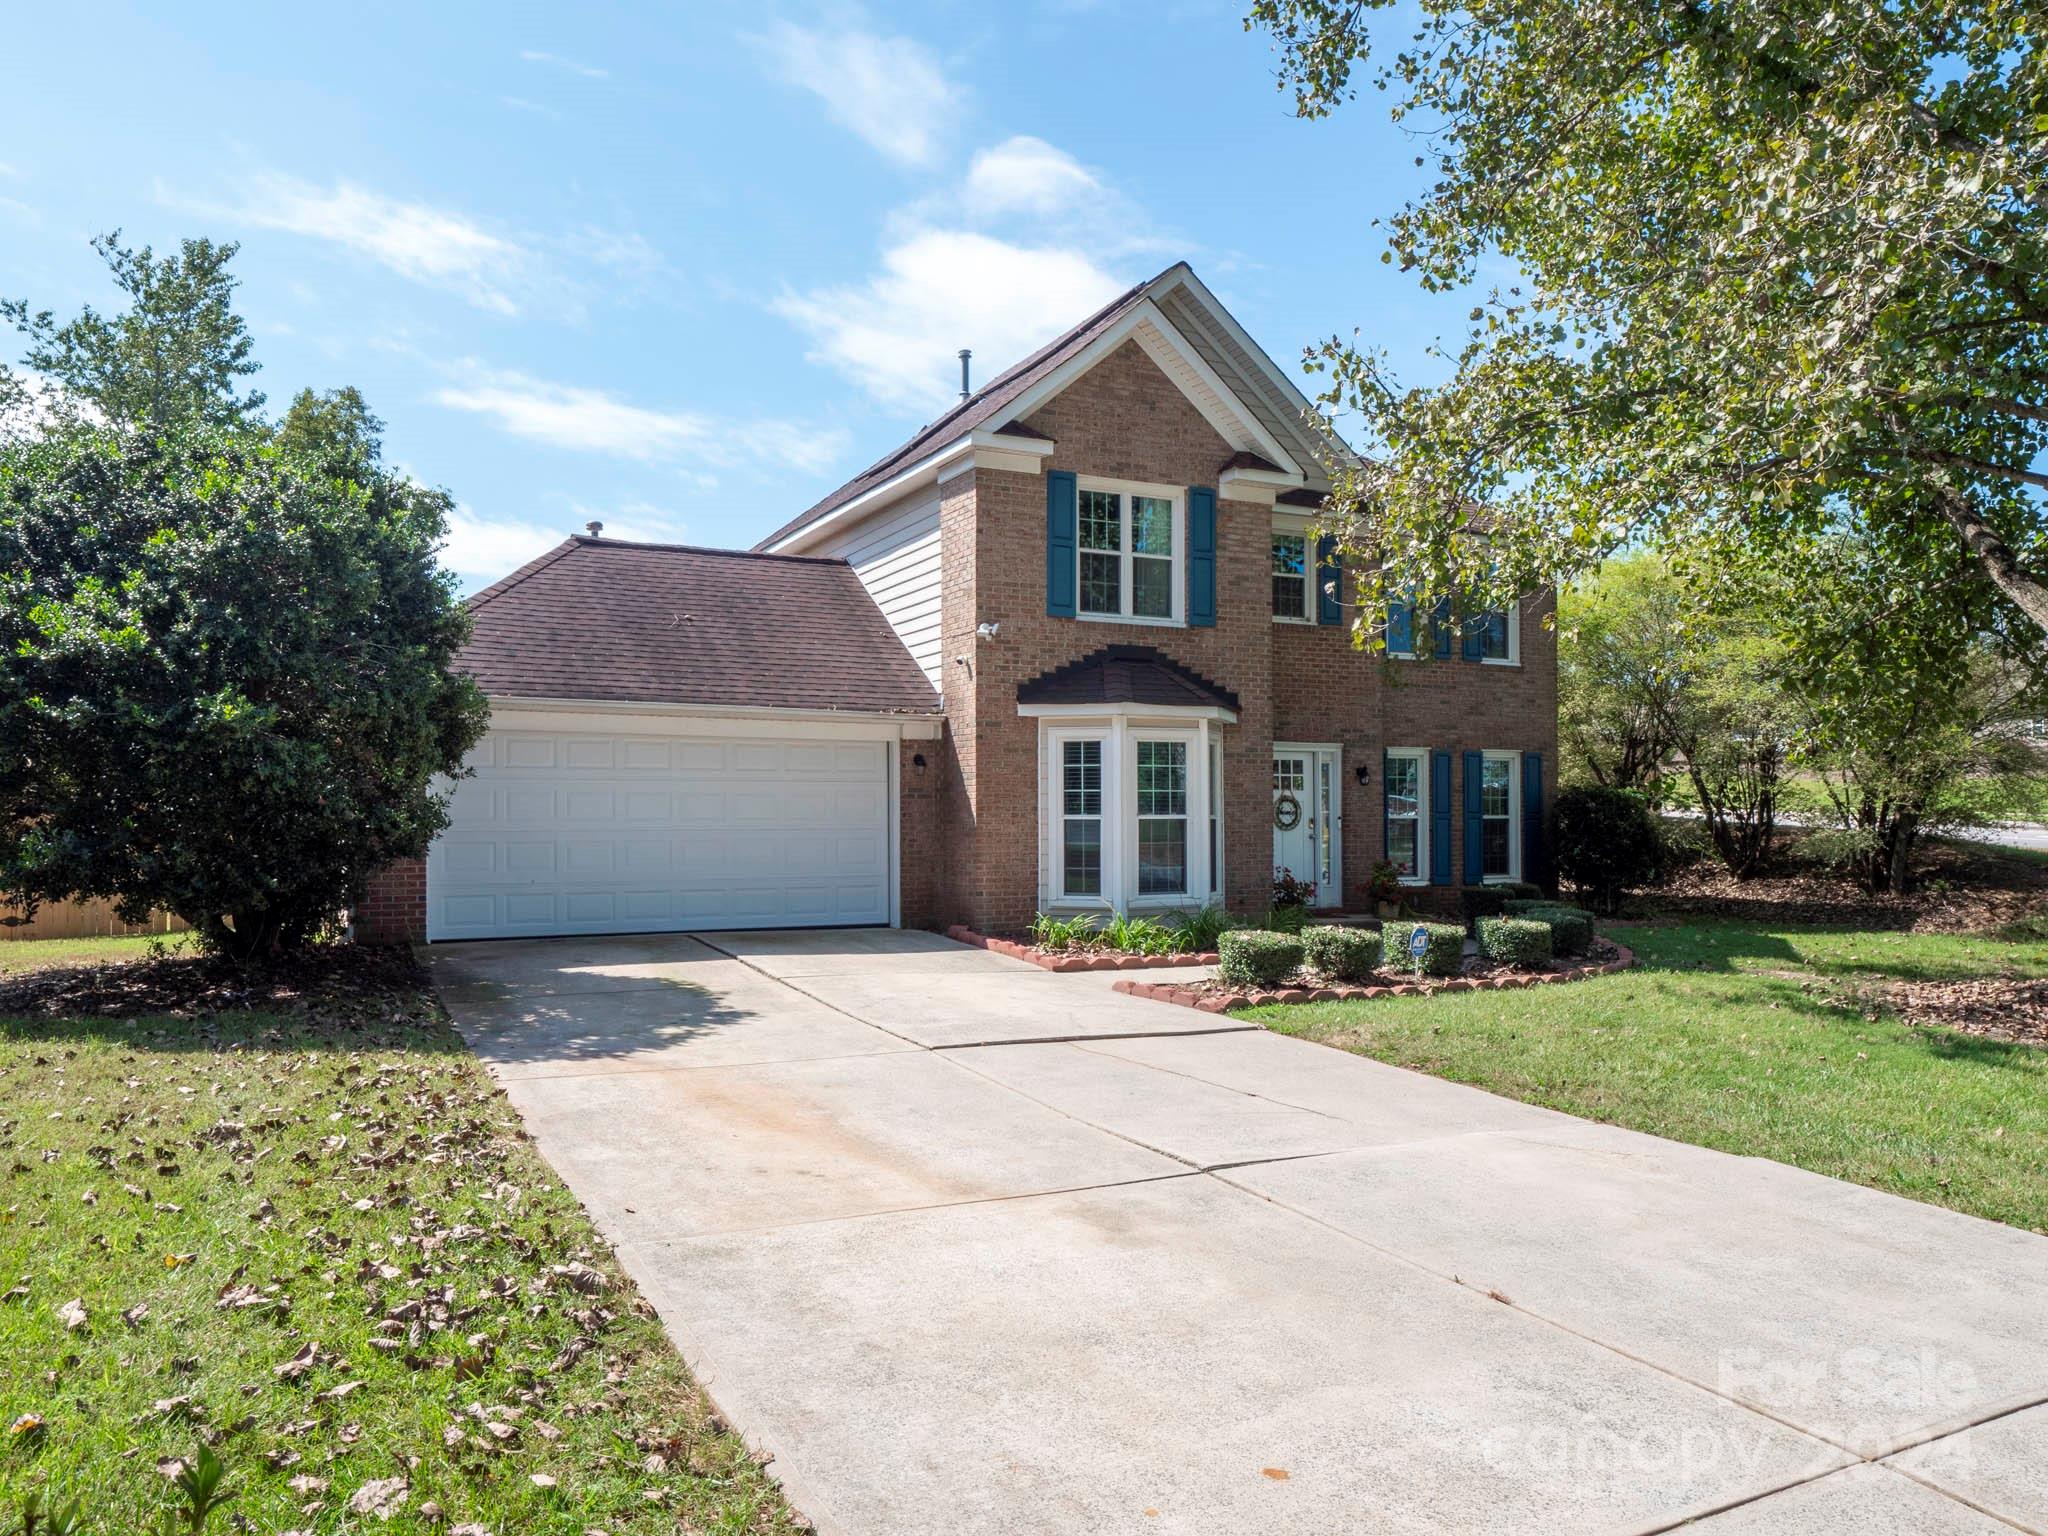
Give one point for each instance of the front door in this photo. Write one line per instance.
(1306, 819)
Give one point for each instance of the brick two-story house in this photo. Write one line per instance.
(1074, 646)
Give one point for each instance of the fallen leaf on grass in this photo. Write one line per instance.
(382, 1497)
(305, 1484)
(134, 1315)
(540, 1480)
(72, 1314)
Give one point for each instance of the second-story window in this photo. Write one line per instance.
(1129, 540)
(1290, 575)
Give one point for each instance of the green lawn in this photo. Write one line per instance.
(34, 954)
(319, 1241)
(1754, 1040)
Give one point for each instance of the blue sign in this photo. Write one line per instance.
(1418, 942)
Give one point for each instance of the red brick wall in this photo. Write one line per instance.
(394, 909)
(1125, 420)
(920, 838)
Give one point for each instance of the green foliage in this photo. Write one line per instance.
(1251, 957)
(1681, 844)
(1604, 842)
(1291, 892)
(202, 1488)
(42, 1515)
(1444, 957)
(1137, 935)
(1197, 932)
(174, 357)
(225, 677)
(1291, 918)
(1062, 933)
(1618, 677)
(1571, 928)
(1523, 941)
(1343, 954)
(1477, 901)
(1384, 883)
(1772, 258)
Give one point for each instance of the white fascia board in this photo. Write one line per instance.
(1239, 431)
(1128, 712)
(1289, 392)
(523, 713)
(1258, 485)
(983, 448)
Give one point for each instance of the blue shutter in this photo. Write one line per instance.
(1473, 644)
(1201, 556)
(1475, 825)
(1533, 867)
(1439, 818)
(1327, 609)
(1062, 561)
(1400, 627)
(1440, 618)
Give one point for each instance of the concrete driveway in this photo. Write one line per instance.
(970, 1247)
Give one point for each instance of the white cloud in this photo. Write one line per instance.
(595, 421)
(8, 170)
(940, 290)
(415, 240)
(481, 549)
(14, 208)
(556, 61)
(889, 90)
(1026, 175)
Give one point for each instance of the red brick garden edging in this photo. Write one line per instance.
(1225, 1002)
(1088, 960)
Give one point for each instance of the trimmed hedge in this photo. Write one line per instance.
(1514, 940)
(1344, 954)
(1571, 928)
(1445, 954)
(1253, 957)
(1522, 906)
(1477, 901)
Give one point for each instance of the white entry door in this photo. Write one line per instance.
(563, 832)
(1306, 818)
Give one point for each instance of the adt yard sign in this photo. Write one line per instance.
(1418, 942)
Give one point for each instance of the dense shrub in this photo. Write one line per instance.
(1199, 931)
(1571, 928)
(1523, 941)
(1477, 901)
(1344, 954)
(1841, 850)
(1605, 843)
(1285, 919)
(1253, 957)
(1137, 936)
(1681, 843)
(1522, 906)
(1519, 890)
(1446, 948)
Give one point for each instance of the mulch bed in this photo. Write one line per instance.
(1959, 890)
(346, 984)
(1998, 1008)
(1080, 958)
(1477, 975)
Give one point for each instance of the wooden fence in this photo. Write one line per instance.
(79, 920)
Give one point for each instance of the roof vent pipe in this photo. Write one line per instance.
(596, 529)
(965, 353)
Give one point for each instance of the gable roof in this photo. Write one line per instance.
(673, 624)
(1214, 340)
(1125, 674)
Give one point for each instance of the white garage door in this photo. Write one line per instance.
(572, 832)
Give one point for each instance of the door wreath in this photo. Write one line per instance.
(1286, 811)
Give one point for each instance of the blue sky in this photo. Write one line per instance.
(686, 268)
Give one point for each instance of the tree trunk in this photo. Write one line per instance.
(2026, 590)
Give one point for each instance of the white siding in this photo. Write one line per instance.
(895, 552)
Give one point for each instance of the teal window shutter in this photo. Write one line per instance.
(1328, 610)
(1062, 559)
(1473, 643)
(1440, 621)
(1400, 626)
(1201, 556)
(1439, 818)
(1535, 868)
(1475, 824)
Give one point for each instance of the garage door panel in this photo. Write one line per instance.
(589, 833)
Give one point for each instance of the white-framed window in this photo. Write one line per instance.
(1162, 813)
(1293, 586)
(1130, 540)
(1132, 814)
(1497, 636)
(1407, 803)
(1500, 842)
(1079, 868)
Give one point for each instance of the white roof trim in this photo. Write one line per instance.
(1208, 394)
(1128, 711)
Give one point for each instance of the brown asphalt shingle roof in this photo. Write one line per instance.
(1124, 674)
(670, 624)
(980, 408)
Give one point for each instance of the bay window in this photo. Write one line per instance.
(1132, 813)
(1081, 818)
(1162, 807)
(1129, 544)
